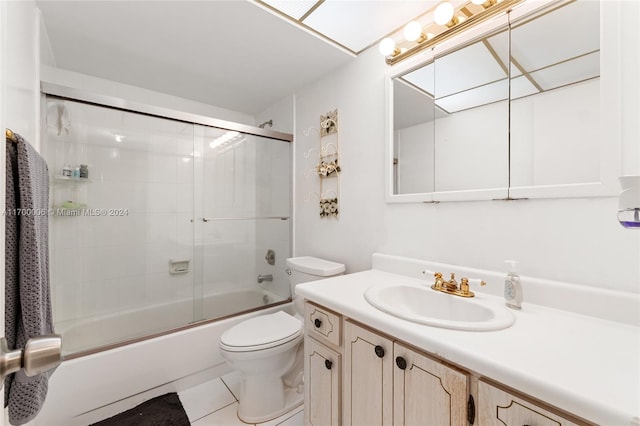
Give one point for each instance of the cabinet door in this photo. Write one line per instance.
(500, 408)
(427, 392)
(368, 377)
(322, 384)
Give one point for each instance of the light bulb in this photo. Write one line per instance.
(387, 46)
(412, 31)
(443, 13)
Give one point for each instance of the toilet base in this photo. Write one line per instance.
(292, 399)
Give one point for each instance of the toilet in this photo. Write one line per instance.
(268, 349)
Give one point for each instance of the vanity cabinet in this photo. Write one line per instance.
(387, 382)
(368, 377)
(322, 366)
(361, 377)
(426, 391)
(322, 384)
(497, 407)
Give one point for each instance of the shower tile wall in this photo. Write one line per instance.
(228, 191)
(142, 164)
(273, 199)
(165, 176)
(247, 178)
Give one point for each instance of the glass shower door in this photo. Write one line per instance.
(118, 229)
(243, 231)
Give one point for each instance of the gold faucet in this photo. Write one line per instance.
(452, 286)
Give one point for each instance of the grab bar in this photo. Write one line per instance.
(212, 219)
(40, 354)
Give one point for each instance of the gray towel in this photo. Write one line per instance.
(27, 296)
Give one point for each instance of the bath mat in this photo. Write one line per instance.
(165, 410)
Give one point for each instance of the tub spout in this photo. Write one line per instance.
(262, 278)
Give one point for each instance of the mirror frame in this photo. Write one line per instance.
(610, 110)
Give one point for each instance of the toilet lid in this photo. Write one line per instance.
(262, 332)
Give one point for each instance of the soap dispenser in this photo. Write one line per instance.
(513, 287)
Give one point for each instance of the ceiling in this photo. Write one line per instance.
(236, 54)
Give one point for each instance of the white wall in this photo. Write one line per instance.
(281, 113)
(357, 91)
(19, 93)
(630, 125)
(137, 94)
(575, 240)
(3, 91)
(22, 97)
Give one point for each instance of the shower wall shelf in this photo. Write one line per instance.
(70, 179)
(71, 196)
(328, 167)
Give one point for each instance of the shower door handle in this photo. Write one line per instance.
(40, 354)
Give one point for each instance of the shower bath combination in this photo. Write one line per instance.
(161, 267)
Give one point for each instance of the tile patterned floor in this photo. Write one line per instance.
(215, 403)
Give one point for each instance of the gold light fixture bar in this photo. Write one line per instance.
(456, 26)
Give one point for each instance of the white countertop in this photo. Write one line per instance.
(584, 365)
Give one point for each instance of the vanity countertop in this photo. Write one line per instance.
(585, 365)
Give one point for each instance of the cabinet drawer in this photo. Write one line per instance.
(499, 407)
(324, 325)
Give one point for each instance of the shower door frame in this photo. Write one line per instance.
(101, 100)
(86, 96)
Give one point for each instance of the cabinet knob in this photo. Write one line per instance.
(317, 323)
(328, 364)
(379, 351)
(401, 363)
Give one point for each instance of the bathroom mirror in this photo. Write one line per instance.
(522, 107)
(414, 114)
(471, 87)
(555, 118)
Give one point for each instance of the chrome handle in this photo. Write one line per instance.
(263, 278)
(40, 354)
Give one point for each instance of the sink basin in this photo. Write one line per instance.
(421, 304)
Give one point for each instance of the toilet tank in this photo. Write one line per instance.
(306, 268)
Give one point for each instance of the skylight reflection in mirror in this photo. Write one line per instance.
(546, 64)
(295, 9)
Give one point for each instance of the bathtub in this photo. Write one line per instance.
(103, 330)
(89, 388)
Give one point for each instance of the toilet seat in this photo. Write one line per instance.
(263, 332)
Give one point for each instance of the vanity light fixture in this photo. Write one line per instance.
(413, 32)
(388, 47)
(444, 14)
(448, 21)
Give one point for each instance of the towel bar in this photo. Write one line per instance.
(39, 355)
